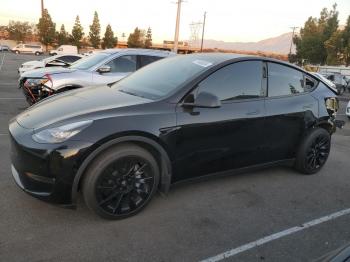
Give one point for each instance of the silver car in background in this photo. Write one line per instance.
(104, 67)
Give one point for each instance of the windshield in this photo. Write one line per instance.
(88, 62)
(48, 59)
(163, 77)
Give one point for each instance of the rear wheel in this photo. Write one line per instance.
(121, 181)
(313, 152)
(37, 53)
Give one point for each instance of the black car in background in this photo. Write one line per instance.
(178, 118)
(5, 48)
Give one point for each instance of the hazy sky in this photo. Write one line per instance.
(228, 20)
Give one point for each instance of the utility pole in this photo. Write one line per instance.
(205, 15)
(42, 8)
(291, 41)
(177, 27)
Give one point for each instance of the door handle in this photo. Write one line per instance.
(253, 113)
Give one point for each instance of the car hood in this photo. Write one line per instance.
(36, 73)
(86, 101)
(34, 63)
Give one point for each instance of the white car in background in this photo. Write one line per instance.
(347, 111)
(57, 60)
(65, 49)
(28, 49)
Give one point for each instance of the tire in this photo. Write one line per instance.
(313, 152)
(121, 181)
(17, 52)
(37, 53)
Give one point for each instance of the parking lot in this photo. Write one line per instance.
(194, 222)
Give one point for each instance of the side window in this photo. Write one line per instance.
(310, 83)
(283, 80)
(123, 64)
(146, 59)
(240, 80)
(69, 58)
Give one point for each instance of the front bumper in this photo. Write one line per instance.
(45, 171)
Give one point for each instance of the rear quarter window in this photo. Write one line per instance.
(286, 81)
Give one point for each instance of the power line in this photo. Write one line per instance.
(205, 15)
(291, 42)
(42, 8)
(177, 27)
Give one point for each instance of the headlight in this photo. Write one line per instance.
(27, 66)
(61, 133)
(36, 82)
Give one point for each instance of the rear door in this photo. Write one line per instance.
(218, 139)
(290, 110)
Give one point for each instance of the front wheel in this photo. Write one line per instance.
(313, 152)
(37, 53)
(17, 52)
(121, 181)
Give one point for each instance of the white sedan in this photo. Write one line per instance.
(57, 60)
(347, 111)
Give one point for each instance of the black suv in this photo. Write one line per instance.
(178, 118)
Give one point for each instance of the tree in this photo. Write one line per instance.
(62, 36)
(311, 42)
(46, 29)
(334, 48)
(136, 39)
(109, 41)
(19, 30)
(95, 29)
(77, 32)
(346, 42)
(148, 39)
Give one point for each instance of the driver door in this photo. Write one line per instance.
(212, 140)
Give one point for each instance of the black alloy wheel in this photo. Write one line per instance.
(121, 182)
(314, 151)
(318, 152)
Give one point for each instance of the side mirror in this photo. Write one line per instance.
(204, 100)
(104, 69)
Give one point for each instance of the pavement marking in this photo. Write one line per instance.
(9, 83)
(275, 236)
(2, 61)
(11, 98)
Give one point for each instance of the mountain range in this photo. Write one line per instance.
(279, 44)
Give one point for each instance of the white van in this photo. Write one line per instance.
(65, 49)
(28, 49)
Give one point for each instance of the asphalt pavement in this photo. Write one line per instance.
(194, 222)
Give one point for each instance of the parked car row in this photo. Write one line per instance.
(105, 67)
(119, 139)
(56, 60)
(341, 82)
